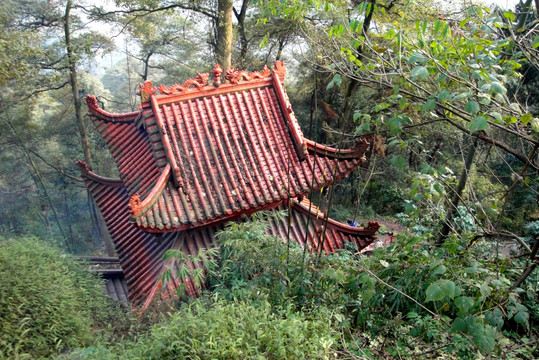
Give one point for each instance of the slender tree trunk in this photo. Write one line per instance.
(146, 64)
(240, 17)
(40, 179)
(224, 34)
(353, 84)
(72, 65)
(131, 102)
(458, 192)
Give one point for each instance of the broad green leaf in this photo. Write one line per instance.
(485, 87)
(536, 42)
(509, 15)
(484, 289)
(472, 107)
(464, 303)
(429, 105)
(335, 81)
(525, 119)
(398, 161)
(498, 88)
(419, 72)
(450, 289)
(441, 269)
(484, 338)
(522, 317)
(459, 325)
(394, 142)
(381, 107)
(535, 124)
(417, 57)
(478, 123)
(412, 315)
(443, 95)
(497, 116)
(495, 317)
(434, 293)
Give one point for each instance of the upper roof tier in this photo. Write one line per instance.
(201, 153)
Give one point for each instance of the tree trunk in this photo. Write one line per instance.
(240, 17)
(72, 65)
(458, 192)
(224, 34)
(353, 84)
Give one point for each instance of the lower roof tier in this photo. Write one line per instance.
(141, 252)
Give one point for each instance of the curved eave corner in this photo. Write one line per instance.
(357, 152)
(86, 173)
(95, 110)
(138, 207)
(307, 207)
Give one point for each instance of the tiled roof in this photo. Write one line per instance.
(197, 156)
(141, 252)
(110, 270)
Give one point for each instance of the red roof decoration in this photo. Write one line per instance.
(207, 154)
(141, 252)
(199, 154)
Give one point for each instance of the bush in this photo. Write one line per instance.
(46, 300)
(215, 328)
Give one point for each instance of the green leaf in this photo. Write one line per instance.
(429, 105)
(494, 317)
(335, 81)
(443, 95)
(522, 318)
(459, 325)
(419, 72)
(398, 161)
(509, 15)
(441, 269)
(497, 116)
(381, 107)
(498, 88)
(394, 142)
(536, 42)
(472, 107)
(434, 293)
(484, 289)
(535, 124)
(464, 303)
(484, 338)
(478, 123)
(525, 119)
(417, 57)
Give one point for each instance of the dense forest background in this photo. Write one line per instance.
(450, 92)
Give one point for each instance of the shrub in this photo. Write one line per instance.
(46, 300)
(216, 328)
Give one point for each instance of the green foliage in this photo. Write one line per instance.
(464, 288)
(216, 328)
(47, 301)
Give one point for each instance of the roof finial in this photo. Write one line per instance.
(217, 71)
(135, 204)
(146, 91)
(280, 70)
